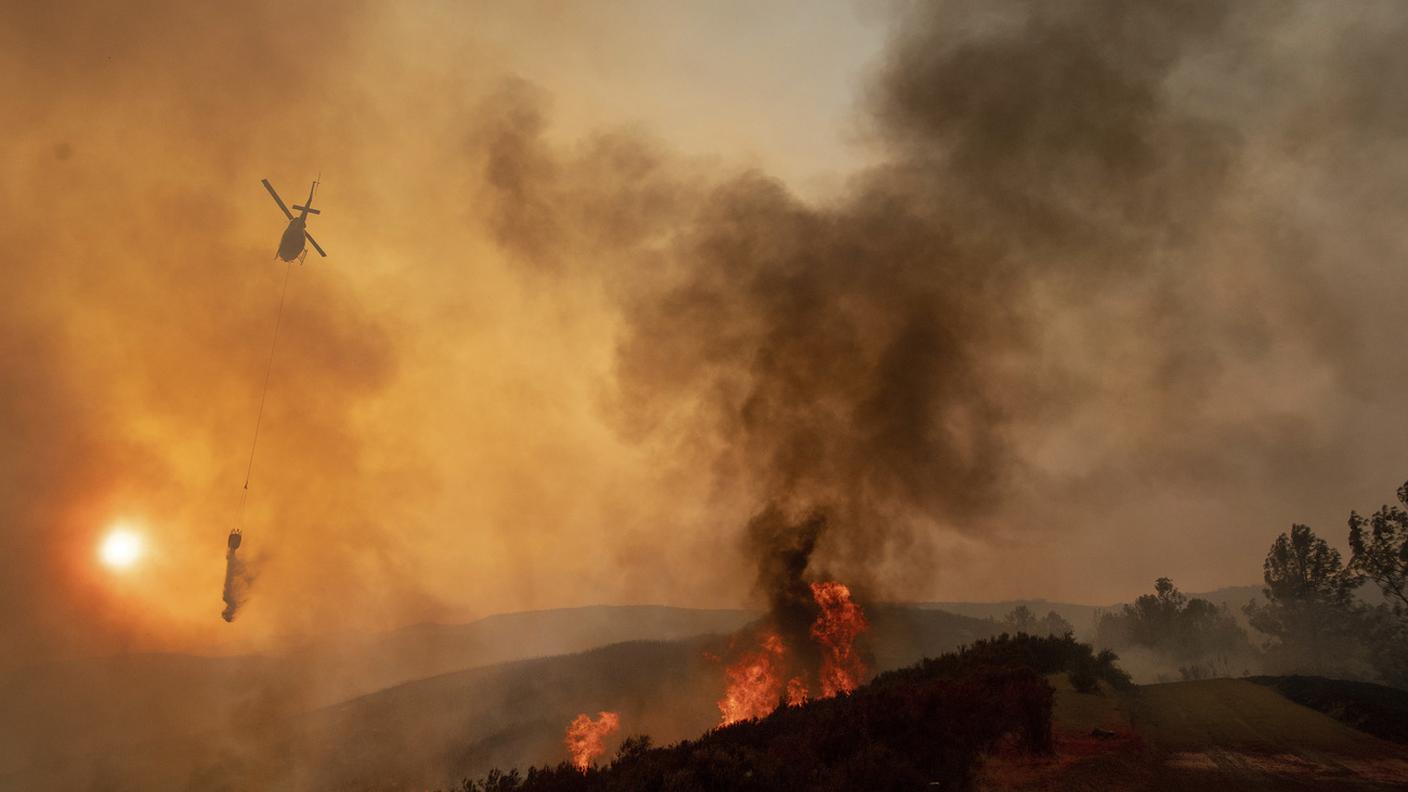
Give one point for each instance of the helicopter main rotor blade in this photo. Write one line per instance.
(314, 243)
(277, 199)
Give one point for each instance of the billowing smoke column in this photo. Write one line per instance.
(783, 550)
(1038, 254)
(856, 367)
(585, 737)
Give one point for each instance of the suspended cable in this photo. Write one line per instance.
(263, 394)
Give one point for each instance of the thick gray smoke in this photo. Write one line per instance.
(869, 358)
(1046, 239)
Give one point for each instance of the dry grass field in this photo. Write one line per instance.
(1220, 734)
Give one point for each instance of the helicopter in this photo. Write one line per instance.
(291, 245)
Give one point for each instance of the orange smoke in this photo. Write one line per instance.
(754, 682)
(584, 737)
(835, 630)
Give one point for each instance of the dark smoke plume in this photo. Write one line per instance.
(881, 358)
(858, 359)
(783, 548)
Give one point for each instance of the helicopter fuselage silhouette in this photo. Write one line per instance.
(291, 243)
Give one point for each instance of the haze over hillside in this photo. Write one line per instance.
(268, 722)
(105, 705)
(1083, 616)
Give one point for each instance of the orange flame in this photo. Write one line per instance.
(754, 685)
(584, 737)
(755, 682)
(835, 630)
(796, 692)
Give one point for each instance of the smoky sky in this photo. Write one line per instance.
(1109, 291)
(1074, 227)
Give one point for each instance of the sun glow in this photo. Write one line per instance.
(121, 548)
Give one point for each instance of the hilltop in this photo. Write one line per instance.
(1083, 616)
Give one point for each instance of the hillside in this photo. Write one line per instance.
(1377, 709)
(100, 706)
(926, 725)
(903, 634)
(1217, 734)
(430, 731)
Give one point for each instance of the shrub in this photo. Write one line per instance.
(1083, 678)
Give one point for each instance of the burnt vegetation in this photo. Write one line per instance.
(931, 722)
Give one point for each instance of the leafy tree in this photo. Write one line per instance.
(1379, 552)
(1302, 566)
(1083, 679)
(1385, 636)
(1197, 634)
(1154, 617)
(633, 748)
(1310, 614)
(1206, 630)
(1054, 624)
(1020, 620)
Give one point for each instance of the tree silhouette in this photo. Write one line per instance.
(1197, 634)
(1020, 620)
(1310, 613)
(1379, 552)
(1054, 624)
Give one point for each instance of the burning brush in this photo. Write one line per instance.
(755, 680)
(585, 737)
(808, 649)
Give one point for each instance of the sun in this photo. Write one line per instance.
(121, 548)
